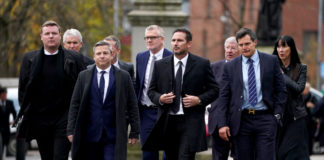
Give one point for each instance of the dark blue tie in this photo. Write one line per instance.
(177, 90)
(102, 84)
(252, 84)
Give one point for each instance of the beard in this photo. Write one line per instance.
(181, 52)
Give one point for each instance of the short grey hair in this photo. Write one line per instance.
(102, 43)
(231, 39)
(157, 28)
(72, 32)
(115, 39)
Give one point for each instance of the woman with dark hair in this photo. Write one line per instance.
(292, 136)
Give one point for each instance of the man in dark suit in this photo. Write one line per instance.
(46, 82)
(116, 48)
(220, 149)
(251, 100)
(102, 97)
(180, 129)
(72, 40)
(154, 39)
(6, 108)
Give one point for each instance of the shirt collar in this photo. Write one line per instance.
(158, 55)
(254, 57)
(50, 54)
(183, 60)
(116, 64)
(107, 69)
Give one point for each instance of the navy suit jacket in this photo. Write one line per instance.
(141, 64)
(217, 69)
(231, 96)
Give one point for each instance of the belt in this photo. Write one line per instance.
(255, 112)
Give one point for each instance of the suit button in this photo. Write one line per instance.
(241, 97)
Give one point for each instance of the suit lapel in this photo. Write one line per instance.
(145, 59)
(261, 67)
(96, 83)
(117, 80)
(239, 69)
(111, 81)
(190, 64)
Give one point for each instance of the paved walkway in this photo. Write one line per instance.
(34, 155)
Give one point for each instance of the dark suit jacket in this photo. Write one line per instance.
(125, 104)
(29, 79)
(129, 67)
(4, 119)
(198, 80)
(141, 64)
(217, 69)
(231, 96)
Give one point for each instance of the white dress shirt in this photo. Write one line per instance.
(106, 77)
(176, 67)
(145, 100)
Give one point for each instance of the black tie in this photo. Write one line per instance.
(102, 85)
(177, 90)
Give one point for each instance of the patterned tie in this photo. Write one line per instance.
(102, 85)
(252, 84)
(151, 70)
(177, 90)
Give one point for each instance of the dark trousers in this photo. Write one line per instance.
(256, 137)
(21, 148)
(102, 150)
(293, 144)
(220, 149)
(176, 142)
(53, 147)
(51, 139)
(1, 146)
(148, 117)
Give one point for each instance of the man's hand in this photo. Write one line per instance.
(70, 137)
(310, 105)
(224, 133)
(167, 98)
(132, 141)
(189, 100)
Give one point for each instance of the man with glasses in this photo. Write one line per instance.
(154, 40)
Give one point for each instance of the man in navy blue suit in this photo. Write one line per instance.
(251, 100)
(102, 99)
(154, 39)
(220, 149)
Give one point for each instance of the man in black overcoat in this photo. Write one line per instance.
(182, 86)
(102, 99)
(46, 82)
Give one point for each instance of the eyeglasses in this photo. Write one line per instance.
(151, 37)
